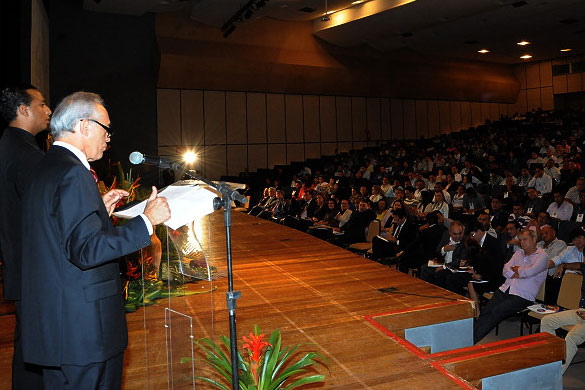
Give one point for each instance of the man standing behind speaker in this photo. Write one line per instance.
(27, 114)
(74, 322)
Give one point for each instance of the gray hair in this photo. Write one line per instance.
(73, 108)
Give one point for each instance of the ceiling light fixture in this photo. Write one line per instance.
(483, 51)
(526, 56)
(566, 50)
(357, 2)
(523, 43)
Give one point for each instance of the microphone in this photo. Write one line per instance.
(139, 158)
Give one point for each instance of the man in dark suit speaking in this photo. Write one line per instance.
(72, 307)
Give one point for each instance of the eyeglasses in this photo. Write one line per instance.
(109, 131)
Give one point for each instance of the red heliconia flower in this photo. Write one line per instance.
(255, 345)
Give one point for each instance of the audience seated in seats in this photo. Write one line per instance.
(519, 215)
(541, 181)
(342, 217)
(575, 318)
(569, 258)
(510, 241)
(267, 202)
(483, 217)
(483, 263)
(560, 209)
(450, 251)
(279, 209)
(409, 200)
(471, 201)
(573, 192)
(401, 235)
(524, 273)
(438, 204)
(524, 179)
(457, 199)
(305, 212)
(551, 170)
(498, 216)
(355, 229)
(381, 209)
(424, 247)
(377, 194)
(579, 209)
(534, 204)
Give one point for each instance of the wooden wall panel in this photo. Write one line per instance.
(275, 118)
(329, 148)
(257, 157)
(547, 98)
(344, 147)
(560, 84)
(358, 118)
(521, 104)
(328, 119)
(520, 73)
(494, 111)
(546, 74)
(192, 127)
(422, 118)
(256, 117)
(294, 118)
(574, 83)
(344, 132)
(445, 115)
(214, 161)
(456, 115)
(397, 118)
(312, 150)
(533, 99)
(532, 75)
(359, 145)
(237, 158)
(373, 126)
(434, 118)
(168, 117)
(311, 118)
(466, 116)
(409, 109)
(504, 109)
(295, 152)
(214, 117)
(485, 112)
(235, 112)
(276, 154)
(385, 121)
(476, 114)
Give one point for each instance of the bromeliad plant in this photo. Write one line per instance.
(267, 366)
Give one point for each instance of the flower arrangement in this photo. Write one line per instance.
(267, 367)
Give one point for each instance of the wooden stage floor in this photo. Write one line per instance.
(315, 293)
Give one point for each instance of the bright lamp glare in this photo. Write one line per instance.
(189, 157)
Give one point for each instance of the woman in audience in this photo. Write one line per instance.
(377, 194)
(457, 199)
(439, 204)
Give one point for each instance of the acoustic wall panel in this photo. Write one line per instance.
(328, 119)
(359, 145)
(574, 83)
(344, 123)
(237, 158)
(373, 116)
(214, 117)
(359, 120)
(276, 155)
(312, 150)
(256, 117)
(214, 161)
(275, 118)
(311, 118)
(533, 99)
(532, 75)
(235, 103)
(545, 74)
(494, 111)
(168, 117)
(434, 118)
(295, 152)
(257, 157)
(385, 121)
(504, 109)
(422, 118)
(344, 147)
(520, 73)
(456, 115)
(476, 119)
(397, 118)
(485, 112)
(521, 105)
(547, 98)
(294, 118)
(409, 109)
(328, 148)
(466, 116)
(560, 84)
(192, 127)
(445, 117)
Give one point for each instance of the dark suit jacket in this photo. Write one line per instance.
(489, 261)
(72, 304)
(407, 235)
(459, 253)
(423, 247)
(19, 154)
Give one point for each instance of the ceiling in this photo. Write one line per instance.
(447, 28)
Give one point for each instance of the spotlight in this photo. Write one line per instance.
(189, 157)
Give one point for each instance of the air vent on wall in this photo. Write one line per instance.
(307, 9)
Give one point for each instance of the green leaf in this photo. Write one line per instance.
(213, 382)
(306, 380)
(270, 359)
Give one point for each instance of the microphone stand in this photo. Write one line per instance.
(227, 196)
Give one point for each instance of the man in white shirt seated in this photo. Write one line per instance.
(552, 246)
(560, 208)
(534, 160)
(573, 193)
(541, 181)
(551, 170)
